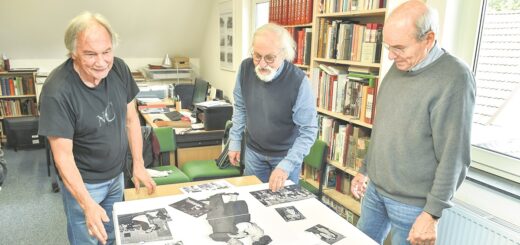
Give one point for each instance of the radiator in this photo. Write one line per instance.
(464, 224)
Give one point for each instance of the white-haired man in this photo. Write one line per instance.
(88, 113)
(274, 102)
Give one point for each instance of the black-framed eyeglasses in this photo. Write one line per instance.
(269, 59)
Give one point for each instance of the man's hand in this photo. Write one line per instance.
(277, 179)
(142, 176)
(424, 230)
(234, 157)
(95, 215)
(358, 186)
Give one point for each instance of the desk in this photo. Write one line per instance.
(193, 145)
(174, 189)
(291, 216)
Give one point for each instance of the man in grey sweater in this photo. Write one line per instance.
(420, 143)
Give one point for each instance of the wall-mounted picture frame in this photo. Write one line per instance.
(226, 31)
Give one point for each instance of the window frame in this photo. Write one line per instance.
(495, 163)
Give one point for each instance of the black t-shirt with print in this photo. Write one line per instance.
(93, 118)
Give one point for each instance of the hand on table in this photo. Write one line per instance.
(277, 179)
(142, 176)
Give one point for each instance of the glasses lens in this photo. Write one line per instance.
(256, 57)
(269, 58)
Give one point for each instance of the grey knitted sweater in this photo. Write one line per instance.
(420, 143)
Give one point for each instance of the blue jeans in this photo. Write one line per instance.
(106, 194)
(380, 214)
(261, 166)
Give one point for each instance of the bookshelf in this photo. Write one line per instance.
(344, 70)
(17, 96)
(296, 16)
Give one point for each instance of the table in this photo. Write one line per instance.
(174, 189)
(247, 211)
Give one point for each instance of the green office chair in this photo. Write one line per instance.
(317, 159)
(167, 143)
(209, 169)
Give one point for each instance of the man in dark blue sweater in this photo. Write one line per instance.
(274, 101)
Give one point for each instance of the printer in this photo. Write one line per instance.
(214, 116)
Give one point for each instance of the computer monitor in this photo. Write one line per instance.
(200, 90)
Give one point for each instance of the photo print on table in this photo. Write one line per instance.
(210, 186)
(290, 213)
(145, 226)
(290, 193)
(327, 235)
(191, 206)
(231, 222)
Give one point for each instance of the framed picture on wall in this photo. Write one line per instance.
(226, 31)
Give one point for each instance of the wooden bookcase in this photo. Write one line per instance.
(296, 16)
(344, 157)
(17, 96)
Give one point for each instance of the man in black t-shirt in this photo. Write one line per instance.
(88, 113)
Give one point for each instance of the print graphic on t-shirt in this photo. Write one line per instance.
(108, 115)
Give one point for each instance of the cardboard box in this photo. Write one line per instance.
(181, 62)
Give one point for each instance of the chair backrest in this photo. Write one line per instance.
(166, 138)
(317, 155)
(317, 159)
(223, 159)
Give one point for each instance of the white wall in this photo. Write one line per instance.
(32, 30)
(210, 68)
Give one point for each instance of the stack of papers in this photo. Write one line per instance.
(212, 103)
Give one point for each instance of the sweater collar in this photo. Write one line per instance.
(432, 56)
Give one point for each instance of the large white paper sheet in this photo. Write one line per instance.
(306, 221)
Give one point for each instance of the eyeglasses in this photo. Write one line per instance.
(396, 50)
(269, 59)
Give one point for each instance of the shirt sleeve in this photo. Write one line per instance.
(239, 117)
(56, 119)
(305, 119)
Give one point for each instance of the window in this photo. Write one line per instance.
(260, 13)
(496, 121)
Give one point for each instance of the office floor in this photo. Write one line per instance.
(30, 212)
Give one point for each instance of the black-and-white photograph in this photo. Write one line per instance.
(191, 206)
(290, 213)
(226, 33)
(287, 194)
(210, 186)
(327, 235)
(231, 222)
(146, 226)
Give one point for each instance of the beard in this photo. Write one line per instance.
(265, 77)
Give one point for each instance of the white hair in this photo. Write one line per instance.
(81, 23)
(288, 43)
(427, 22)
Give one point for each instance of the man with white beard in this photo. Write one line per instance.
(274, 102)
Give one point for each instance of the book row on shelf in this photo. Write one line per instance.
(348, 40)
(338, 182)
(348, 143)
(303, 38)
(18, 107)
(16, 85)
(335, 6)
(290, 12)
(347, 214)
(346, 90)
